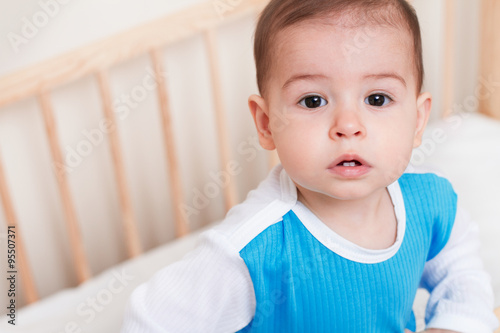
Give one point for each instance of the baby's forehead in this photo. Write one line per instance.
(348, 25)
(286, 17)
(317, 47)
(351, 38)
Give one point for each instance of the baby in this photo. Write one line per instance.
(338, 237)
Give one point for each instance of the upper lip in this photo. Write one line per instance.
(348, 157)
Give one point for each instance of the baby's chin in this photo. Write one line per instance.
(339, 193)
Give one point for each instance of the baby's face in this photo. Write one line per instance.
(342, 108)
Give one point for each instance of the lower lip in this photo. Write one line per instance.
(350, 171)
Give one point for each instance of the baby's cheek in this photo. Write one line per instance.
(281, 119)
(397, 158)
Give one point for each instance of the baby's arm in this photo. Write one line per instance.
(461, 297)
(208, 291)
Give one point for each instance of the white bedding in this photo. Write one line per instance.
(470, 159)
(97, 305)
(467, 150)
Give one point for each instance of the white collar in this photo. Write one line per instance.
(277, 195)
(334, 241)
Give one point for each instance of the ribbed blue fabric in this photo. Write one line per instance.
(303, 286)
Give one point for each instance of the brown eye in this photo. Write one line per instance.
(313, 102)
(377, 100)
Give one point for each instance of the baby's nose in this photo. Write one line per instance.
(348, 133)
(347, 125)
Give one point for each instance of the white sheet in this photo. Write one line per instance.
(97, 305)
(470, 158)
(466, 149)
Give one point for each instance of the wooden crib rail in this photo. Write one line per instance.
(96, 59)
(497, 313)
(129, 222)
(76, 243)
(448, 58)
(120, 48)
(23, 266)
(181, 226)
(210, 40)
(490, 53)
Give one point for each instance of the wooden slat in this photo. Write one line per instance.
(220, 114)
(449, 58)
(489, 102)
(121, 47)
(497, 313)
(129, 223)
(22, 264)
(177, 194)
(75, 239)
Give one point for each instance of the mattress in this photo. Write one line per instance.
(98, 304)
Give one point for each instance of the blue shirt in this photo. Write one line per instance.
(303, 286)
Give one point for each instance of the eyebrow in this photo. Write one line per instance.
(303, 77)
(310, 77)
(387, 76)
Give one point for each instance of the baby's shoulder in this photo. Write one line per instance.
(429, 184)
(264, 207)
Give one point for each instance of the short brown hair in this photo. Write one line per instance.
(280, 14)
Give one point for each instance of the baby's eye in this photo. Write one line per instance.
(312, 102)
(378, 100)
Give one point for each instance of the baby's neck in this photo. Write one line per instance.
(369, 222)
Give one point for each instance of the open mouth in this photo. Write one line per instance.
(351, 163)
(349, 166)
(349, 160)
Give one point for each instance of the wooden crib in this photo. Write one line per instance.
(94, 61)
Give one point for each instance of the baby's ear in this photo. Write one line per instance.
(260, 113)
(424, 104)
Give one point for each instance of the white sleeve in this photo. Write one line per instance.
(210, 290)
(461, 296)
